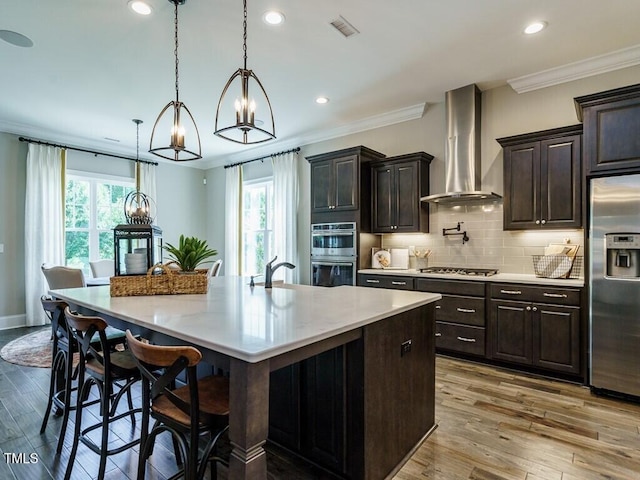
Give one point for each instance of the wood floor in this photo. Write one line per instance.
(492, 425)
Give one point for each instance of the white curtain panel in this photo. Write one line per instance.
(148, 180)
(233, 220)
(44, 223)
(148, 184)
(285, 213)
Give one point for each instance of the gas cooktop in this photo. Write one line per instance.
(480, 272)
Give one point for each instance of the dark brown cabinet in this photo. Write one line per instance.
(307, 408)
(460, 315)
(542, 179)
(611, 125)
(535, 326)
(397, 185)
(399, 282)
(340, 185)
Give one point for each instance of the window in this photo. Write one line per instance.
(257, 226)
(94, 205)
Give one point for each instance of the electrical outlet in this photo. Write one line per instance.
(405, 348)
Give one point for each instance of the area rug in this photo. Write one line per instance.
(31, 350)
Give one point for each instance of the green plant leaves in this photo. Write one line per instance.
(190, 253)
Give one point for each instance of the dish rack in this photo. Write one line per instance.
(549, 266)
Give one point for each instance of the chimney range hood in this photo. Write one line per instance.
(462, 154)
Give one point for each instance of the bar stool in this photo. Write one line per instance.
(62, 372)
(200, 407)
(62, 349)
(113, 372)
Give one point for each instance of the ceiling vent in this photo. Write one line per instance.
(344, 27)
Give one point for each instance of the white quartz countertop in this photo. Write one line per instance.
(497, 278)
(252, 323)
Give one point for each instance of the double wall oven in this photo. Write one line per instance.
(333, 254)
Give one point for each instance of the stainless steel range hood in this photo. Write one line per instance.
(462, 155)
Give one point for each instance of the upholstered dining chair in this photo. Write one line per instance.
(215, 268)
(201, 406)
(102, 268)
(63, 277)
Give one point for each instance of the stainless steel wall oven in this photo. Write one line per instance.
(333, 254)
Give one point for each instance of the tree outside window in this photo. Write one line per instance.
(257, 226)
(93, 207)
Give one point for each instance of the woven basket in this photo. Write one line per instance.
(190, 282)
(149, 284)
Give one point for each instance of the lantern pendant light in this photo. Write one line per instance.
(241, 115)
(137, 205)
(178, 123)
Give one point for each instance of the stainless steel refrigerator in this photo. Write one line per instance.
(614, 285)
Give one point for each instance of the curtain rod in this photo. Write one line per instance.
(297, 149)
(40, 142)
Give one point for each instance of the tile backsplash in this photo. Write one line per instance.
(488, 246)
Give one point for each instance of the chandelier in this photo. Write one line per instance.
(242, 125)
(137, 205)
(178, 123)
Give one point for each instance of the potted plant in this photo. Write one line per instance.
(190, 253)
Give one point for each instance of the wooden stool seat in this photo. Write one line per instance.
(213, 393)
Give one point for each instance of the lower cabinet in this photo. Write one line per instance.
(460, 315)
(529, 332)
(307, 409)
(523, 325)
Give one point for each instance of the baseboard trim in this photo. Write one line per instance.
(13, 321)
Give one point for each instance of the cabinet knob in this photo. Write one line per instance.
(438, 334)
(528, 309)
(537, 222)
(543, 222)
(535, 309)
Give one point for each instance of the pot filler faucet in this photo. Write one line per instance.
(268, 274)
(447, 231)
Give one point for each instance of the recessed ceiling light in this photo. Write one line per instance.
(140, 7)
(15, 38)
(322, 100)
(535, 27)
(273, 17)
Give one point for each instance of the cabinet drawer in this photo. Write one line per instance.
(454, 287)
(555, 295)
(386, 281)
(458, 309)
(460, 338)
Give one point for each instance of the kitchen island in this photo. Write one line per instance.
(251, 331)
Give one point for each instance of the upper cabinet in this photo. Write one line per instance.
(340, 182)
(542, 179)
(397, 183)
(611, 129)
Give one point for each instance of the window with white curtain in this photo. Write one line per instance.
(257, 225)
(93, 207)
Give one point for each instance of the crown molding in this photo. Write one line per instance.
(405, 114)
(627, 57)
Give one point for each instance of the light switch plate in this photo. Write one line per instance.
(1, 247)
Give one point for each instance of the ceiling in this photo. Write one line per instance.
(95, 65)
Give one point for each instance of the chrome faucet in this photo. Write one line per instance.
(269, 270)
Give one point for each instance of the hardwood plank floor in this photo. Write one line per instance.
(493, 424)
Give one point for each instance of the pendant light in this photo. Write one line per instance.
(243, 127)
(137, 205)
(178, 125)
